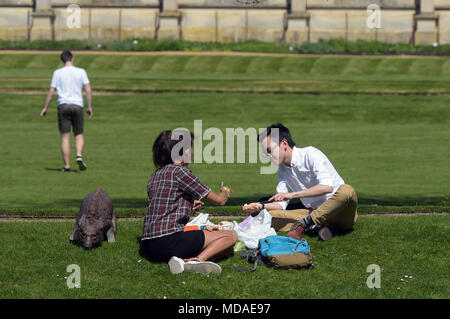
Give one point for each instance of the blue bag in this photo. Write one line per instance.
(280, 252)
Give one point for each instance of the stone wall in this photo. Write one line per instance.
(295, 21)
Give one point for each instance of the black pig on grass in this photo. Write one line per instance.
(96, 220)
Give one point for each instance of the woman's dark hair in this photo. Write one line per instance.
(283, 134)
(165, 142)
(66, 56)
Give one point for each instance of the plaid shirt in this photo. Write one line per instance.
(171, 193)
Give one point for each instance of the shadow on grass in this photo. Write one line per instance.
(364, 199)
(117, 203)
(139, 246)
(59, 170)
(73, 205)
(412, 200)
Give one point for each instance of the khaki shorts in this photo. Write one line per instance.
(70, 115)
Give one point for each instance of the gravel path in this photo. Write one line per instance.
(213, 53)
(67, 219)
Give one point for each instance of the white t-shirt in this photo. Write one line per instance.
(69, 81)
(309, 167)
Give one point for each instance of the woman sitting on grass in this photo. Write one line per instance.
(173, 192)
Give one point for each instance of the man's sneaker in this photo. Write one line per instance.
(312, 230)
(178, 265)
(81, 163)
(65, 169)
(296, 231)
(325, 233)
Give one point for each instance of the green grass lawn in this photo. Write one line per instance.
(239, 74)
(382, 121)
(392, 149)
(35, 256)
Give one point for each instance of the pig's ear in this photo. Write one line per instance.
(81, 220)
(99, 224)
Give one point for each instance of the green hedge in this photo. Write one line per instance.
(333, 46)
(340, 46)
(46, 45)
(148, 45)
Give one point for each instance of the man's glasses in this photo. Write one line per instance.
(268, 152)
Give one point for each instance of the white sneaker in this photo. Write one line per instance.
(81, 163)
(178, 265)
(203, 267)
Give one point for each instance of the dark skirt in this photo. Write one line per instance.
(181, 244)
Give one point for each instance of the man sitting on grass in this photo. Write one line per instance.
(309, 175)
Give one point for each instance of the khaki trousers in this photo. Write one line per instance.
(339, 210)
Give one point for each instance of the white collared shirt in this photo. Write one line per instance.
(309, 167)
(68, 82)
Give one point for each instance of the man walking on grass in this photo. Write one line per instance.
(306, 173)
(68, 82)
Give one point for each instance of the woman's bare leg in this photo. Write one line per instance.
(216, 241)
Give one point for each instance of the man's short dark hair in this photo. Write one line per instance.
(66, 56)
(163, 145)
(283, 132)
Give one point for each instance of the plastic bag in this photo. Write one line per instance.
(200, 220)
(255, 229)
